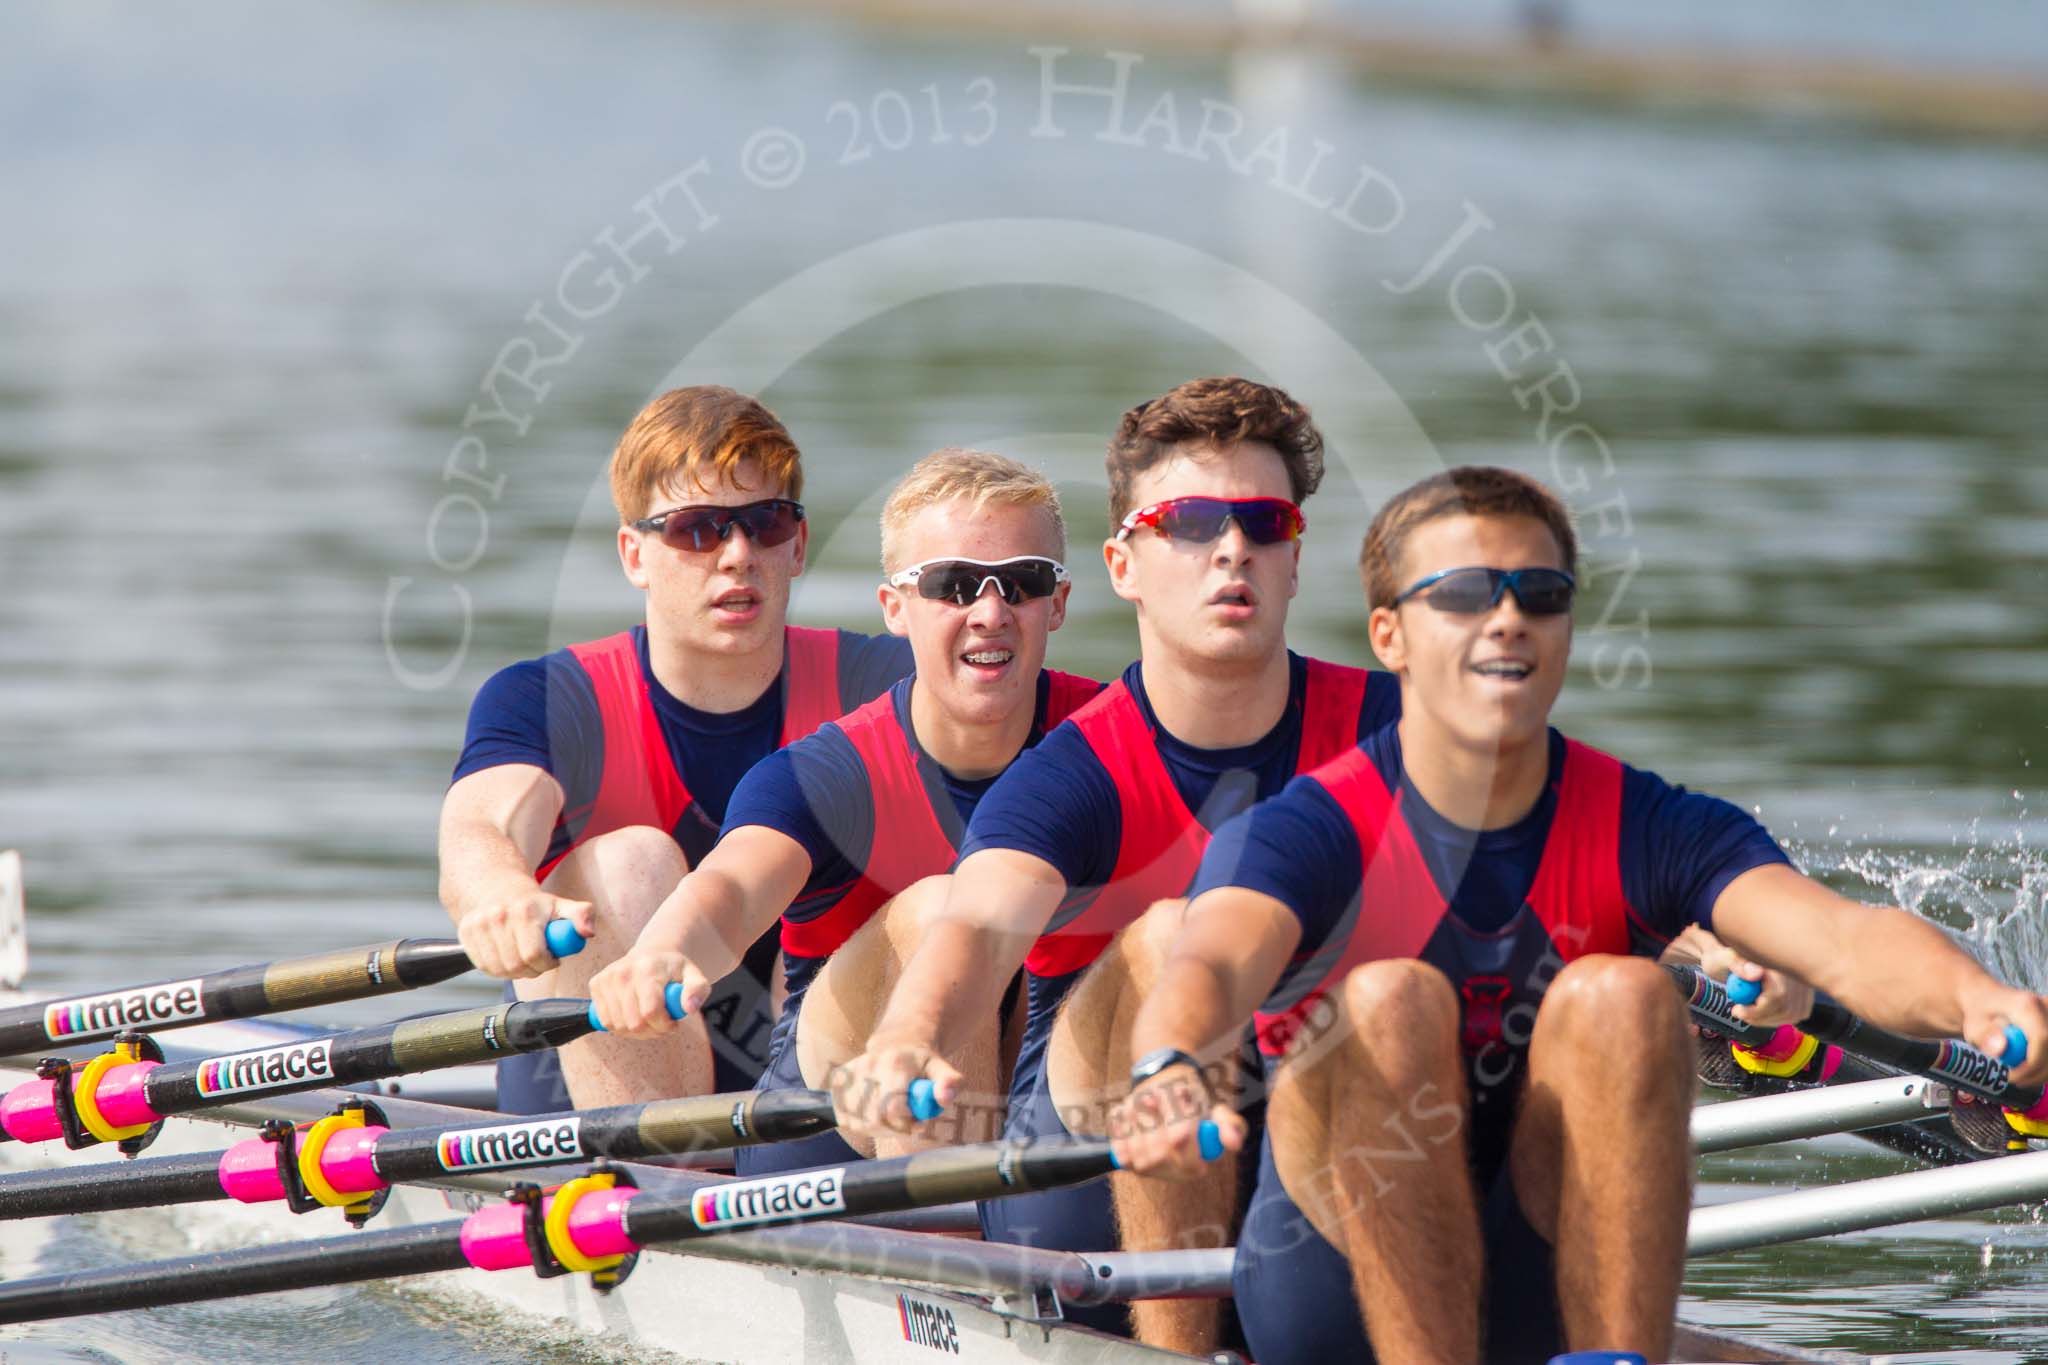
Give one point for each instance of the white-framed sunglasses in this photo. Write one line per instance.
(963, 581)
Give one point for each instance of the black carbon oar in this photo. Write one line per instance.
(363, 1160)
(236, 993)
(120, 1096)
(1950, 1060)
(604, 1224)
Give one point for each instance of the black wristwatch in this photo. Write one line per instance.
(1152, 1063)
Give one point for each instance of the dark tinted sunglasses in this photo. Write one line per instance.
(1539, 592)
(1199, 520)
(772, 521)
(962, 581)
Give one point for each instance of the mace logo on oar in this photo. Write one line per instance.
(266, 1068)
(515, 1144)
(91, 1016)
(770, 1199)
(1969, 1068)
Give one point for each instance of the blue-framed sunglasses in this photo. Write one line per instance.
(1465, 592)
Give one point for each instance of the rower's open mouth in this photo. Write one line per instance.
(1510, 670)
(988, 658)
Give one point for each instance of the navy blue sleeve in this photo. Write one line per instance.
(870, 665)
(1057, 803)
(542, 712)
(816, 792)
(1382, 703)
(1680, 849)
(1298, 848)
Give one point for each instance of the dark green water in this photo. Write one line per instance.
(259, 267)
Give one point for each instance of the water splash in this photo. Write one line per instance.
(1991, 895)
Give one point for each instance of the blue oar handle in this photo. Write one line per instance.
(2015, 1046)
(672, 997)
(1742, 990)
(564, 940)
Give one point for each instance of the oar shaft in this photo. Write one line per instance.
(604, 1222)
(235, 993)
(143, 1092)
(944, 1176)
(1948, 1060)
(416, 1250)
(363, 1160)
(626, 1132)
(410, 1045)
(143, 1184)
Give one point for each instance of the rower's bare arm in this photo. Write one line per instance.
(494, 830)
(1890, 967)
(1000, 901)
(1232, 946)
(1785, 998)
(703, 929)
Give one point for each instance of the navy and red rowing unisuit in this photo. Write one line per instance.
(916, 845)
(640, 784)
(1575, 905)
(1161, 841)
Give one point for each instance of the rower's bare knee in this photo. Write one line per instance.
(625, 874)
(1404, 1014)
(1125, 973)
(1089, 1054)
(844, 1003)
(910, 915)
(1597, 1000)
(1146, 943)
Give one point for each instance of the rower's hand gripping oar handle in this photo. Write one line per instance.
(924, 1106)
(565, 941)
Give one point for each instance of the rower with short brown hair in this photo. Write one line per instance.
(1076, 857)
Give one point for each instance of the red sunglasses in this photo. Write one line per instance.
(1199, 520)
